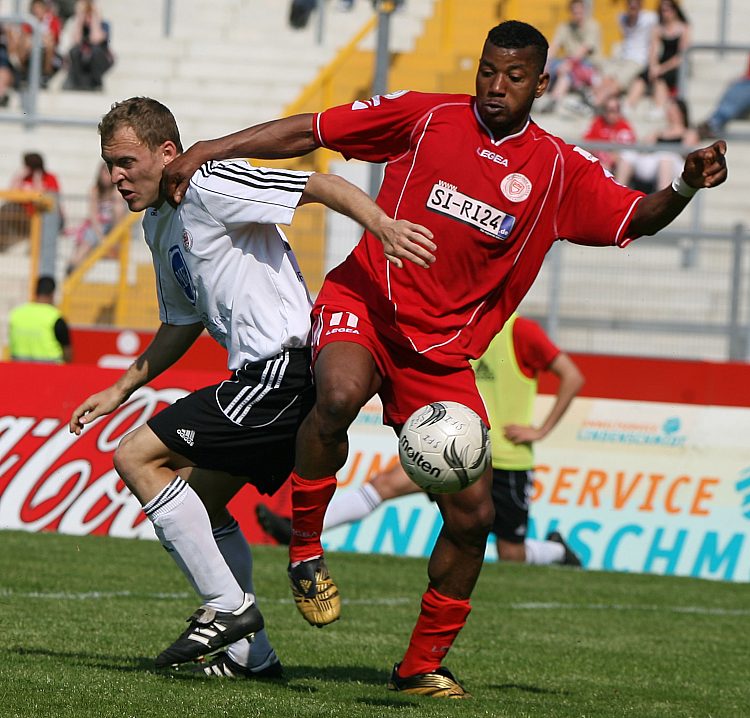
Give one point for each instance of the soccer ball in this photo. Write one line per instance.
(444, 447)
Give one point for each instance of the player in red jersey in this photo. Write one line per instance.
(496, 190)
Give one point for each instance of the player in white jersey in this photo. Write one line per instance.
(222, 264)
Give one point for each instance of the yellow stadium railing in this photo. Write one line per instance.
(117, 241)
(20, 220)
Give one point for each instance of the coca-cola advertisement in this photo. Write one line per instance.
(53, 480)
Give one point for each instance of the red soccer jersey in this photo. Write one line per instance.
(495, 208)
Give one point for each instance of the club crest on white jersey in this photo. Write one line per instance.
(516, 187)
(182, 273)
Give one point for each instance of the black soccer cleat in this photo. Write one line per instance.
(210, 630)
(277, 527)
(571, 557)
(222, 666)
(439, 683)
(315, 594)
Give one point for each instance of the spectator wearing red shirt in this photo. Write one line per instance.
(23, 41)
(610, 126)
(34, 177)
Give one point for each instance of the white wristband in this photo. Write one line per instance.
(683, 188)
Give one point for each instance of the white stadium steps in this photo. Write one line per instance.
(233, 63)
(224, 66)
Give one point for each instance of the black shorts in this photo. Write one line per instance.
(510, 494)
(246, 425)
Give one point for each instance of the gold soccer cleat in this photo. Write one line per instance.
(437, 684)
(315, 594)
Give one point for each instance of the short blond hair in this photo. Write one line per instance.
(152, 122)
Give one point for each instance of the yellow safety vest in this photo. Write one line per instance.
(509, 396)
(31, 329)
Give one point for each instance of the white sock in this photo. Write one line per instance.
(236, 552)
(351, 506)
(182, 526)
(544, 552)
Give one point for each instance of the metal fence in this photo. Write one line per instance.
(680, 295)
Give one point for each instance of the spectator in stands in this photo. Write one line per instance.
(37, 331)
(651, 171)
(106, 209)
(610, 126)
(15, 218)
(7, 76)
(35, 177)
(631, 56)
(669, 40)
(23, 42)
(90, 56)
(299, 13)
(64, 9)
(574, 55)
(734, 103)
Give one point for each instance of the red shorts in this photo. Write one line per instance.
(409, 379)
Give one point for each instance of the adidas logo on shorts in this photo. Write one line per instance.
(187, 435)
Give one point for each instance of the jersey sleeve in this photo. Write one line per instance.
(236, 192)
(62, 332)
(379, 129)
(595, 210)
(535, 351)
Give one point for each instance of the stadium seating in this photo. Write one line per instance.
(230, 64)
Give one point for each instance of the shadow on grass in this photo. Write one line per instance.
(132, 664)
(397, 702)
(525, 688)
(142, 664)
(338, 674)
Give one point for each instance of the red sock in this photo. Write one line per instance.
(439, 622)
(310, 499)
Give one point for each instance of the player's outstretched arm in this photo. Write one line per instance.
(99, 404)
(277, 139)
(703, 168)
(402, 240)
(169, 343)
(571, 382)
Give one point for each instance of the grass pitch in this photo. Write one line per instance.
(83, 617)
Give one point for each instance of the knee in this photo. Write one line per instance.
(336, 408)
(472, 527)
(125, 455)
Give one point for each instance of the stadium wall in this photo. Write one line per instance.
(648, 472)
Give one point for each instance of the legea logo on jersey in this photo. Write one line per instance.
(376, 100)
(343, 323)
(516, 187)
(181, 272)
(187, 240)
(492, 156)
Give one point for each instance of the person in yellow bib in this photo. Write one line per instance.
(37, 331)
(507, 377)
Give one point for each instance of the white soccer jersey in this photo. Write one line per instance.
(220, 259)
